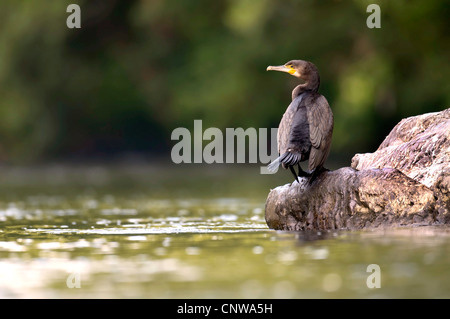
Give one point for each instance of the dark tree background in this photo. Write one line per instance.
(138, 69)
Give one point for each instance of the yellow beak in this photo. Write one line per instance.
(281, 68)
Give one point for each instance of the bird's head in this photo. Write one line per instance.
(298, 68)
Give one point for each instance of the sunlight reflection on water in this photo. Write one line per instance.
(130, 243)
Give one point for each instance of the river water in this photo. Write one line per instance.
(142, 231)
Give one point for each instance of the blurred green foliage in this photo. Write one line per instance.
(138, 69)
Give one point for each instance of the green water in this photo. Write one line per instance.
(192, 232)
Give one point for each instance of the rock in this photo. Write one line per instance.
(405, 182)
(418, 146)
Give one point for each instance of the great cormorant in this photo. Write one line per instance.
(306, 128)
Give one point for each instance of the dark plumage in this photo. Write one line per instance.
(306, 128)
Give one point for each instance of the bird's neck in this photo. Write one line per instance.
(311, 85)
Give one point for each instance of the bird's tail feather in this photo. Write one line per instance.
(290, 159)
(273, 167)
(287, 159)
